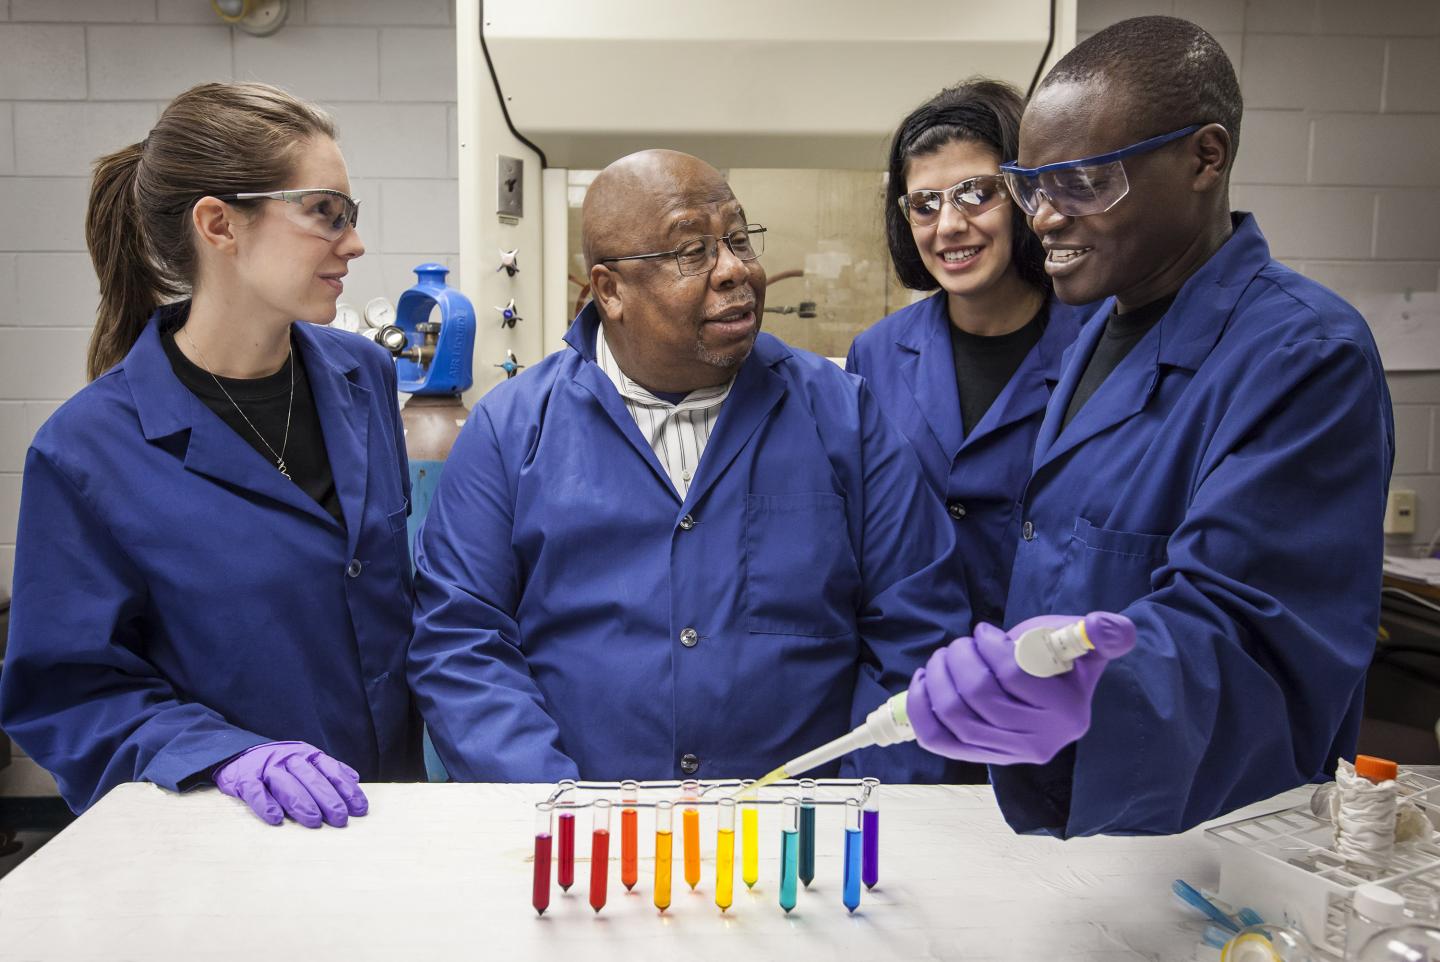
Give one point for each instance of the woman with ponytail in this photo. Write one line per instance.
(212, 582)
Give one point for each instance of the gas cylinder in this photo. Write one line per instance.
(434, 368)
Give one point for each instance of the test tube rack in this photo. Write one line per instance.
(1284, 865)
(858, 797)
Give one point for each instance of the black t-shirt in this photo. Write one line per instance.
(266, 402)
(1122, 333)
(985, 364)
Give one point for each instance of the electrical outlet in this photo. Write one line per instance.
(1400, 512)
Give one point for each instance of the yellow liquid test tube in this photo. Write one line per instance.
(725, 854)
(664, 822)
(749, 837)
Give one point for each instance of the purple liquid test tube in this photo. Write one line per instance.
(870, 829)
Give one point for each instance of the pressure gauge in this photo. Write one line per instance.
(347, 318)
(379, 312)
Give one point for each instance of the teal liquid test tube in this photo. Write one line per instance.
(850, 891)
(789, 851)
(807, 831)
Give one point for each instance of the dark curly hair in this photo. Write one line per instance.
(982, 111)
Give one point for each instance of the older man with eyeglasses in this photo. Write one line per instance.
(679, 548)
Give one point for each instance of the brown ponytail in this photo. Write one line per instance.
(130, 287)
(213, 139)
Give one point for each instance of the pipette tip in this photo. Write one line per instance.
(770, 778)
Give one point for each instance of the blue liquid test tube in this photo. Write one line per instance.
(807, 831)
(850, 893)
(870, 873)
(789, 851)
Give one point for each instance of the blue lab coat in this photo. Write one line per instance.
(558, 570)
(910, 365)
(177, 600)
(1224, 488)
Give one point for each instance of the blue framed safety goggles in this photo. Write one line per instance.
(1079, 188)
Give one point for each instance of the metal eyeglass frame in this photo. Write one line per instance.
(713, 244)
(1013, 171)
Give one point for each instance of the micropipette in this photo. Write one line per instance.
(1042, 652)
(1045, 652)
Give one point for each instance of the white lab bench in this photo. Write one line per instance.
(442, 872)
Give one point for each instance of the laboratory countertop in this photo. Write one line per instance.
(442, 872)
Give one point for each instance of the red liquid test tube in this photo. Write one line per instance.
(566, 869)
(629, 834)
(540, 892)
(600, 854)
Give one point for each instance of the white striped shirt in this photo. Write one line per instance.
(676, 432)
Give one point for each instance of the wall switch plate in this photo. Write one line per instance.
(510, 186)
(1400, 512)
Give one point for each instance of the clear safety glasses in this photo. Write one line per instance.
(700, 255)
(1079, 188)
(316, 210)
(971, 197)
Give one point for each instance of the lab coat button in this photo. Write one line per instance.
(956, 509)
(686, 523)
(1027, 531)
(689, 637)
(689, 764)
(352, 570)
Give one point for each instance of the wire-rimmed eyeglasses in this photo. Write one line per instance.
(699, 255)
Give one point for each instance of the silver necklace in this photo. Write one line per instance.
(290, 360)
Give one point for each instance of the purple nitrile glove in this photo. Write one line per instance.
(971, 701)
(296, 779)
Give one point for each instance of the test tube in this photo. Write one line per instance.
(850, 893)
(750, 836)
(725, 853)
(871, 831)
(789, 851)
(807, 831)
(690, 819)
(540, 892)
(664, 822)
(599, 853)
(565, 870)
(629, 832)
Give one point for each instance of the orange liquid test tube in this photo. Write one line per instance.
(629, 834)
(690, 819)
(692, 847)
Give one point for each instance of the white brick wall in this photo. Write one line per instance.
(79, 78)
(1340, 161)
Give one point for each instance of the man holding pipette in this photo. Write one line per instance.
(1213, 463)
